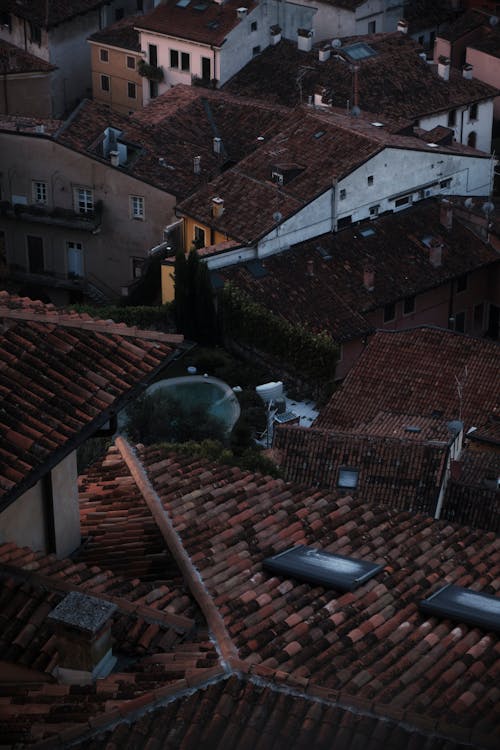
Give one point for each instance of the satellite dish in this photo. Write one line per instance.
(277, 216)
(493, 20)
(488, 207)
(468, 203)
(336, 43)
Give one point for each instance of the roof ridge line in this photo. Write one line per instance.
(223, 640)
(64, 319)
(178, 622)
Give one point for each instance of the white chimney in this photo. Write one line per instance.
(304, 39)
(467, 71)
(217, 207)
(435, 253)
(197, 165)
(115, 158)
(241, 13)
(324, 53)
(275, 32)
(402, 26)
(446, 214)
(444, 68)
(217, 145)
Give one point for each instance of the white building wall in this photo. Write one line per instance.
(331, 22)
(464, 125)
(315, 219)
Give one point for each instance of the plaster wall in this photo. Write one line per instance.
(66, 511)
(481, 124)
(28, 95)
(486, 69)
(23, 522)
(119, 75)
(108, 256)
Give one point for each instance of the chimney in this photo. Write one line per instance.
(467, 71)
(241, 13)
(444, 67)
(369, 278)
(217, 207)
(275, 32)
(310, 267)
(446, 214)
(82, 626)
(304, 39)
(197, 164)
(402, 26)
(324, 53)
(435, 253)
(115, 158)
(217, 145)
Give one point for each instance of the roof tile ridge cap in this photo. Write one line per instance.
(61, 585)
(224, 643)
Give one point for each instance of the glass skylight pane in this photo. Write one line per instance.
(348, 478)
(464, 605)
(359, 51)
(183, 3)
(323, 568)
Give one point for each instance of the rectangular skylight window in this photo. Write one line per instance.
(348, 478)
(322, 568)
(359, 51)
(464, 605)
(182, 3)
(367, 232)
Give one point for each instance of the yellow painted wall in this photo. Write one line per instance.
(189, 225)
(167, 281)
(120, 75)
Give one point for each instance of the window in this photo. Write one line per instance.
(473, 112)
(137, 267)
(464, 605)
(372, 25)
(370, 179)
(342, 194)
(103, 55)
(421, 40)
(402, 201)
(444, 184)
(83, 200)
(119, 13)
(153, 89)
(131, 90)
(471, 139)
(322, 568)
(5, 21)
(199, 237)
(35, 33)
(35, 254)
(74, 254)
(389, 312)
(460, 322)
(478, 315)
(256, 50)
(174, 58)
(345, 221)
(130, 62)
(452, 118)
(40, 192)
(408, 305)
(140, 4)
(137, 207)
(206, 68)
(153, 54)
(253, 26)
(348, 478)
(374, 211)
(185, 65)
(104, 83)
(462, 283)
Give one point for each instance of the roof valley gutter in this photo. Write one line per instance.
(191, 575)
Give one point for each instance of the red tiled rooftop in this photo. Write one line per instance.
(208, 26)
(50, 13)
(61, 377)
(16, 60)
(121, 34)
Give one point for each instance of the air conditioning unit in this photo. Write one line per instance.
(427, 193)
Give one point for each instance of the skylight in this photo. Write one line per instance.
(182, 3)
(464, 605)
(359, 51)
(367, 232)
(322, 568)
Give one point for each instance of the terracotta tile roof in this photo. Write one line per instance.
(304, 662)
(165, 139)
(121, 34)
(60, 379)
(208, 25)
(472, 495)
(420, 369)
(238, 712)
(464, 25)
(16, 60)
(17, 124)
(334, 298)
(50, 13)
(394, 82)
(425, 14)
(488, 41)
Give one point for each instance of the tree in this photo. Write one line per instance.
(194, 305)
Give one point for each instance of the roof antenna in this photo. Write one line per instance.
(460, 389)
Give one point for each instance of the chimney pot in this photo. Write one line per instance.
(197, 164)
(402, 26)
(217, 207)
(115, 158)
(310, 267)
(444, 67)
(217, 145)
(446, 214)
(436, 254)
(369, 278)
(467, 71)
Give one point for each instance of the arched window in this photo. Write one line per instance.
(471, 140)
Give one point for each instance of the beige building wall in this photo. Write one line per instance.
(110, 254)
(115, 80)
(23, 522)
(26, 94)
(65, 503)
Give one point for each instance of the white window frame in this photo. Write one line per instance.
(137, 207)
(40, 192)
(71, 245)
(83, 198)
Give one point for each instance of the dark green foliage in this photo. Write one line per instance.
(230, 369)
(90, 451)
(157, 318)
(194, 305)
(251, 459)
(158, 417)
(314, 356)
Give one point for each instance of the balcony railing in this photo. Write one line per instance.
(89, 221)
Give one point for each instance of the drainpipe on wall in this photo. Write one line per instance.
(334, 205)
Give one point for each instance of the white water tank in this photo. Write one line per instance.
(270, 391)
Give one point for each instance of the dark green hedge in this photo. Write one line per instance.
(159, 317)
